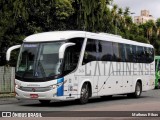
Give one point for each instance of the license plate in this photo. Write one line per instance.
(34, 95)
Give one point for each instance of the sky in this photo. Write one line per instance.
(137, 5)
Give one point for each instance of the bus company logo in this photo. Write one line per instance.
(6, 114)
(33, 89)
(101, 68)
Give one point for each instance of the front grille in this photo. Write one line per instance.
(35, 89)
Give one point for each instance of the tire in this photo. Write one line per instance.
(84, 94)
(44, 102)
(138, 91)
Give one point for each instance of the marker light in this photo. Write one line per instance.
(17, 86)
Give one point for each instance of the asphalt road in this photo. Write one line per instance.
(149, 101)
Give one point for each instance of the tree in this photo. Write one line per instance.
(91, 12)
(158, 27)
(126, 11)
(120, 11)
(20, 18)
(126, 16)
(149, 28)
(114, 17)
(128, 22)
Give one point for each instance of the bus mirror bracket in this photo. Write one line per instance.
(8, 54)
(63, 48)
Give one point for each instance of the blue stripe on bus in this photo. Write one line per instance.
(60, 89)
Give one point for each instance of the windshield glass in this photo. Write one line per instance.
(39, 60)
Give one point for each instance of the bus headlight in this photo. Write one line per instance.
(54, 86)
(17, 86)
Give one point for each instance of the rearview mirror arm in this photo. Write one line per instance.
(8, 54)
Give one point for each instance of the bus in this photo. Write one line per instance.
(78, 65)
(157, 72)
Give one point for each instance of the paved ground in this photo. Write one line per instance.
(150, 101)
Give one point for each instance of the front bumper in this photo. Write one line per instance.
(47, 95)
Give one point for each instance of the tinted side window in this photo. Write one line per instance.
(129, 54)
(134, 53)
(90, 53)
(151, 55)
(122, 52)
(72, 54)
(116, 56)
(145, 55)
(140, 54)
(105, 51)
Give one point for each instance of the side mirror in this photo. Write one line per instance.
(8, 54)
(63, 48)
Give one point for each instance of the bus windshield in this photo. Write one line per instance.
(39, 60)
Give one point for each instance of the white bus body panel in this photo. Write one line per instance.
(104, 81)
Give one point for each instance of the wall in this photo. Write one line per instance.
(7, 75)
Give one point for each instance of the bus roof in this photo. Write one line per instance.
(54, 36)
(64, 35)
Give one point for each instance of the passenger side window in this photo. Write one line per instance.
(151, 55)
(98, 50)
(129, 53)
(145, 55)
(116, 56)
(72, 55)
(134, 53)
(90, 53)
(140, 54)
(105, 51)
(122, 52)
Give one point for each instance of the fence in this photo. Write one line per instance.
(7, 75)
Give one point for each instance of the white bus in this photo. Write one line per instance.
(68, 65)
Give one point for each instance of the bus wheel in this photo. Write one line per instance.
(138, 91)
(84, 94)
(44, 102)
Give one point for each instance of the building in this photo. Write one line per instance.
(144, 17)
